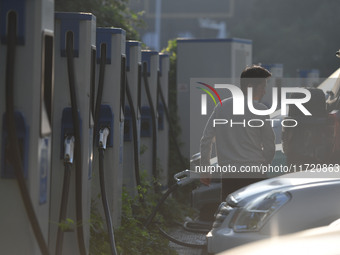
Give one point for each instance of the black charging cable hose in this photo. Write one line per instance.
(171, 129)
(103, 135)
(63, 208)
(162, 232)
(185, 244)
(68, 161)
(78, 152)
(16, 161)
(102, 146)
(157, 207)
(154, 124)
(100, 90)
(134, 133)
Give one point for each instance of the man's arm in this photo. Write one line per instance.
(268, 141)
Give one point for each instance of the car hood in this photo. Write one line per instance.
(291, 180)
(322, 240)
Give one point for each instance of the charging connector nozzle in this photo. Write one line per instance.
(185, 177)
(69, 149)
(103, 135)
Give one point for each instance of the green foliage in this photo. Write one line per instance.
(171, 49)
(131, 237)
(109, 13)
(67, 225)
(143, 149)
(99, 241)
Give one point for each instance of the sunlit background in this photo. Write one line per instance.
(298, 34)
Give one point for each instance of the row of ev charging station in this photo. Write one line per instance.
(147, 82)
(79, 102)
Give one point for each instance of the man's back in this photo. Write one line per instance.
(243, 139)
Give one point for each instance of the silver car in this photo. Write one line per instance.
(277, 206)
(315, 241)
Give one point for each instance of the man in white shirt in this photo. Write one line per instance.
(240, 145)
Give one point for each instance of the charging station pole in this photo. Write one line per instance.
(111, 116)
(26, 86)
(81, 28)
(132, 150)
(150, 60)
(163, 125)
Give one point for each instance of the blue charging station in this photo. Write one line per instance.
(26, 88)
(150, 62)
(132, 143)
(113, 100)
(74, 66)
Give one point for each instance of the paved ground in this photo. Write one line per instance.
(188, 237)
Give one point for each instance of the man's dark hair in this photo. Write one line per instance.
(253, 75)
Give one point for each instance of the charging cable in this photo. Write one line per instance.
(134, 132)
(68, 161)
(78, 147)
(103, 135)
(167, 115)
(182, 178)
(12, 134)
(154, 125)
